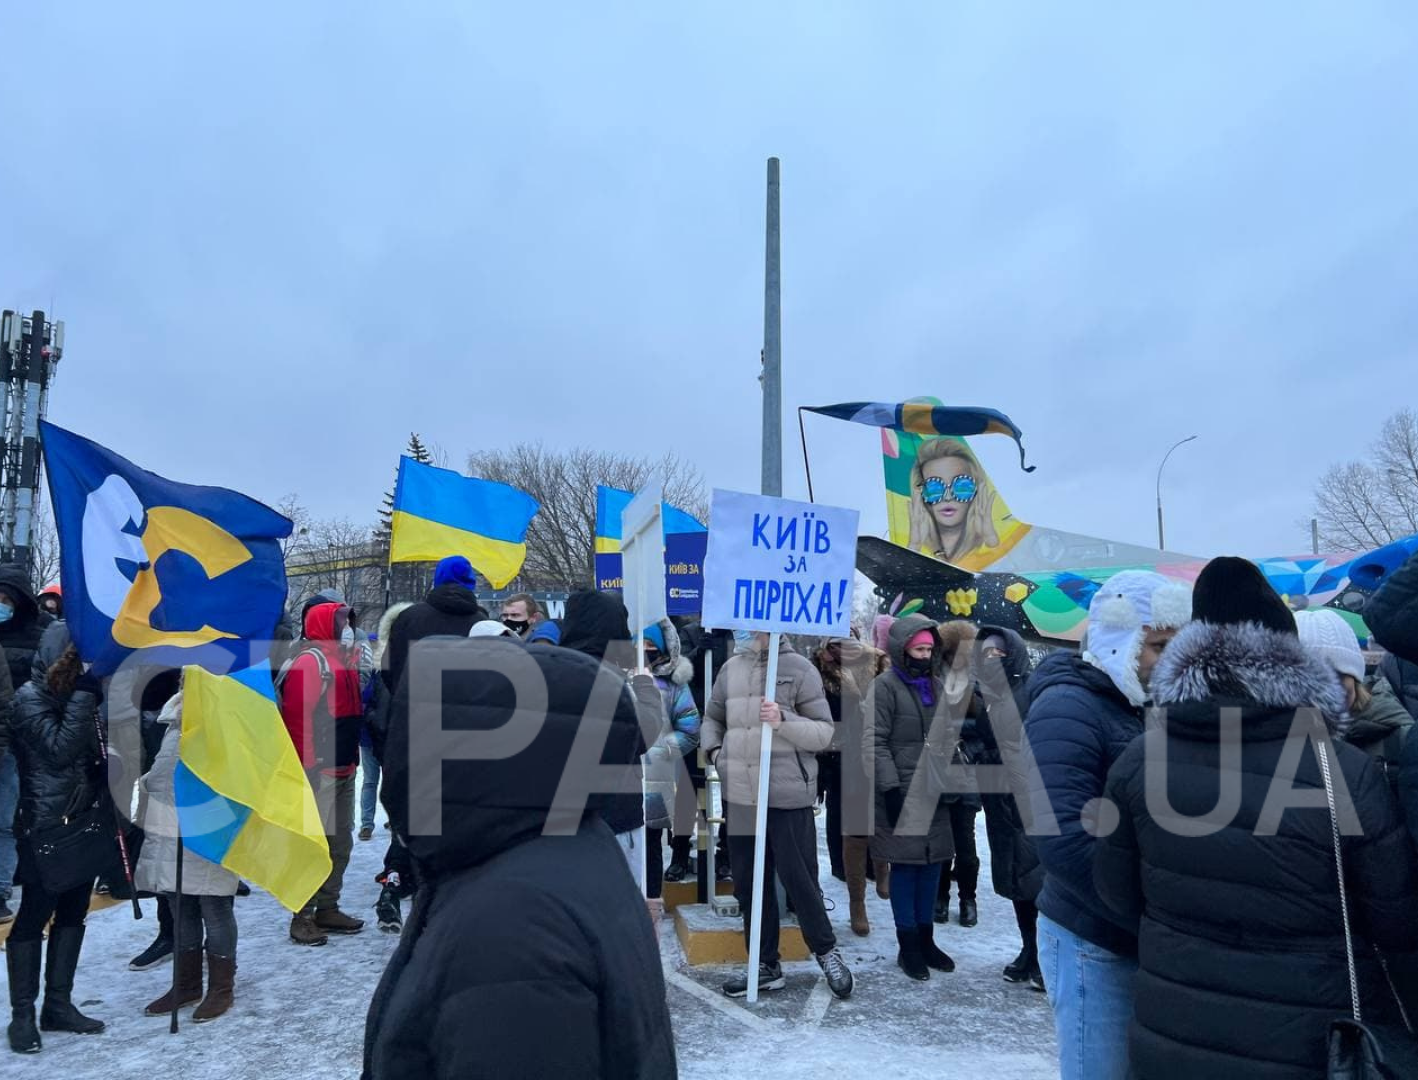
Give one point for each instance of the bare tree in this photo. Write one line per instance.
(561, 542)
(44, 546)
(337, 554)
(1366, 504)
(290, 506)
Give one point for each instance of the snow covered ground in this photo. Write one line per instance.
(300, 1012)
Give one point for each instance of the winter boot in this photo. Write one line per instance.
(62, 960)
(770, 977)
(221, 978)
(854, 858)
(159, 952)
(969, 913)
(303, 930)
(834, 968)
(22, 961)
(334, 921)
(186, 988)
(1036, 979)
(386, 910)
(678, 869)
(932, 955)
(883, 878)
(1023, 965)
(909, 958)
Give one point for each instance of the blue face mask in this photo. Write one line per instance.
(743, 639)
(6, 613)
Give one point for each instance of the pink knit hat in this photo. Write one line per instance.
(922, 637)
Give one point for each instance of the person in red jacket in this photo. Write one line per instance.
(321, 705)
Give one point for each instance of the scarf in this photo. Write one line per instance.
(924, 685)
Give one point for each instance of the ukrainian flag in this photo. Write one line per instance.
(438, 513)
(610, 505)
(243, 800)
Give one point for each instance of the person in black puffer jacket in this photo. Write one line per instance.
(450, 608)
(1241, 927)
(23, 626)
(1002, 668)
(55, 738)
(528, 952)
(1083, 713)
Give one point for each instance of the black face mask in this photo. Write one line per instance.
(919, 668)
(517, 626)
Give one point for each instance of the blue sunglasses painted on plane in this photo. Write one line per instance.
(961, 489)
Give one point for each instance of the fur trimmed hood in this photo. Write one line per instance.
(386, 626)
(1243, 665)
(849, 666)
(672, 666)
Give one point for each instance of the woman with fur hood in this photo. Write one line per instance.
(917, 708)
(847, 667)
(1241, 935)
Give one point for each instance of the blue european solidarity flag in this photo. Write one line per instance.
(188, 574)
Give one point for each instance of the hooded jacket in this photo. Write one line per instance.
(448, 610)
(894, 741)
(56, 744)
(732, 731)
(323, 717)
(848, 667)
(502, 968)
(1242, 940)
(594, 621)
(20, 636)
(1078, 724)
(1015, 870)
(672, 673)
(1392, 612)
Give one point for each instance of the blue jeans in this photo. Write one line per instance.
(1091, 991)
(369, 790)
(9, 797)
(913, 890)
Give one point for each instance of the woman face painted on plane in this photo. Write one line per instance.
(952, 501)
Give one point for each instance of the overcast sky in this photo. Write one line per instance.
(282, 236)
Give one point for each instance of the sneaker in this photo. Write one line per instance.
(387, 911)
(839, 978)
(159, 952)
(366, 832)
(770, 977)
(303, 930)
(6, 915)
(1020, 968)
(1036, 980)
(243, 889)
(677, 870)
(723, 871)
(335, 921)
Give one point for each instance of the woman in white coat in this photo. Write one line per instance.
(208, 891)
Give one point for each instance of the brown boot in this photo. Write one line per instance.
(303, 930)
(854, 860)
(186, 985)
(882, 869)
(334, 921)
(221, 978)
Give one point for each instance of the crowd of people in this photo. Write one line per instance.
(1204, 818)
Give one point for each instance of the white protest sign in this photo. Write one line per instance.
(779, 565)
(642, 550)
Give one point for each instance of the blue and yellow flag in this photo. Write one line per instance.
(686, 539)
(242, 797)
(438, 513)
(177, 575)
(927, 418)
(190, 575)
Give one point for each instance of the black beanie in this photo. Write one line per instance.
(1231, 590)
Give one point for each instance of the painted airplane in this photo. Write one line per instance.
(957, 551)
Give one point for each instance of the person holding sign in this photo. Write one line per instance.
(801, 725)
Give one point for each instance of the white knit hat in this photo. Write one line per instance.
(1121, 608)
(1326, 634)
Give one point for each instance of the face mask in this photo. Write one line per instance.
(517, 626)
(743, 639)
(6, 613)
(917, 668)
(347, 636)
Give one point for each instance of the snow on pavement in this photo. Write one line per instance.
(300, 1012)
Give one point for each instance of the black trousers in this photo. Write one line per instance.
(965, 869)
(654, 863)
(398, 861)
(792, 855)
(37, 906)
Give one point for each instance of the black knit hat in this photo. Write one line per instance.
(1231, 590)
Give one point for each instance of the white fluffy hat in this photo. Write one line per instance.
(1328, 636)
(1123, 608)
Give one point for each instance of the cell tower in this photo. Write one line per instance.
(30, 348)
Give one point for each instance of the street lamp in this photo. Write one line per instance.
(1161, 535)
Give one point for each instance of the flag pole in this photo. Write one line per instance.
(760, 825)
(123, 854)
(807, 468)
(176, 928)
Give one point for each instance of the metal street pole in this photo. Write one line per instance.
(1161, 535)
(772, 345)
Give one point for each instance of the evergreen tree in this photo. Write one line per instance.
(384, 531)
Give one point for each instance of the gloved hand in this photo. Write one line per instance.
(657, 753)
(895, 800)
